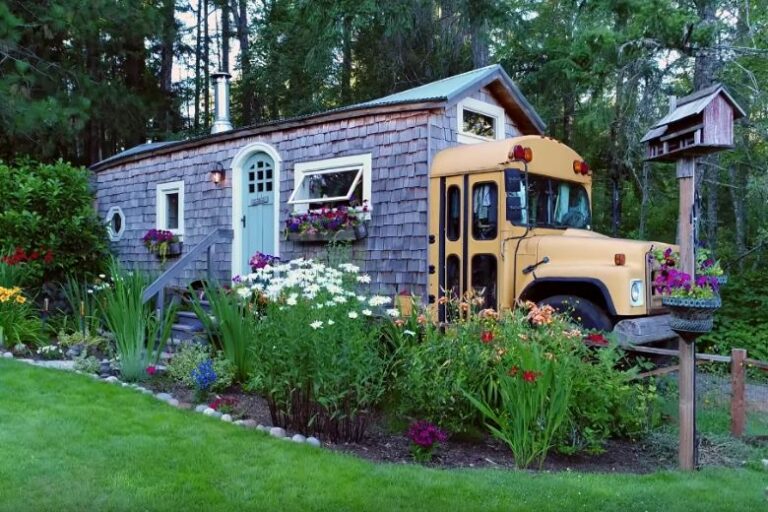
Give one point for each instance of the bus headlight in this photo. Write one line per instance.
(636, 292)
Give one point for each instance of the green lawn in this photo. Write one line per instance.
(68, 442)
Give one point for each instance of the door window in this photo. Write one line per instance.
(452, 277)
(453, 214)
(485, 207)
(484, 278)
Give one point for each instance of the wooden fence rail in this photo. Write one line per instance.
(738, 361)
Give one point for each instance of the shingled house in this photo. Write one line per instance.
(387, 144)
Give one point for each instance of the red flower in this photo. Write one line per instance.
(530, 376)
(151, 370)
(48, 258)
(513, 371)
(596, 339)
(487, 336)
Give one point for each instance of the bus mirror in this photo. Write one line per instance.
(514, 202)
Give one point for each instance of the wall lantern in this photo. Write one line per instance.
(217, 174)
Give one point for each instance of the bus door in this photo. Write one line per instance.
(468, 240)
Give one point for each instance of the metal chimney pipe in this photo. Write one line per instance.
(221, 122)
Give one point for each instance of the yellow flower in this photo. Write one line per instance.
(20, 299)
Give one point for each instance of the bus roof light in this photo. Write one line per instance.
(518, 153)
(577, 166)
(527, 154)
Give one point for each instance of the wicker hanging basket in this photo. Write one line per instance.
(690, 315)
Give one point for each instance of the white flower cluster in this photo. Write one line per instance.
(315, 281)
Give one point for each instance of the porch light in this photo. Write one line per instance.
(217, 174)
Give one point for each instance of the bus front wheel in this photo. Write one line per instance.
(582, 311)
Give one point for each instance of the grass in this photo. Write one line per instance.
(68, 442)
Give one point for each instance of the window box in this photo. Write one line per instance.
(343, 235)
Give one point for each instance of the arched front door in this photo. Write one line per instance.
(258, 193)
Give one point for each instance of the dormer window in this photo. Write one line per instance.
(479, 121)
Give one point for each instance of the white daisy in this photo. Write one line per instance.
(367, 312)
(353, 314)
(317, 324)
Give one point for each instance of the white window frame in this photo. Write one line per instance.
(486, 109)
(115, 237)
(301, 170)
(161, 205)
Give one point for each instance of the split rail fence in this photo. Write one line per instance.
(739, 362)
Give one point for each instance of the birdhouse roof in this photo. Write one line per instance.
(695, 103)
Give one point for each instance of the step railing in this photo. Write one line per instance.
(207, 245)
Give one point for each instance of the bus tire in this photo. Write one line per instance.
(582, 311)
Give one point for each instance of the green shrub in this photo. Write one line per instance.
(139, 335)
(534, 388)
(319, 361)
(12, 275)
(82, 303)
(49, 207)
(435, 371)
(231, 329)
(189, 357)
(438, 367)
(19, 321)
(89, 341)
(87, 364)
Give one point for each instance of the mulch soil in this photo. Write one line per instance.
(382, 445)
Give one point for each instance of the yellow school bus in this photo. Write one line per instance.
(510, 221)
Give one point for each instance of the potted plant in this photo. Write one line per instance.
(692, 302)
(328, 224)
(163, 243)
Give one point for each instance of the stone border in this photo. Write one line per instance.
(169, 399)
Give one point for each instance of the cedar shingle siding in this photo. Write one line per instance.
(401, 143)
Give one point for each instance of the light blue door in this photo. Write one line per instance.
(258, 222)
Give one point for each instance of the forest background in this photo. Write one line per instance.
(82, 80)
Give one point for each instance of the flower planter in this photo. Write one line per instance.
(721, 280)
(691, 315)
(343, 235)
(174, 250)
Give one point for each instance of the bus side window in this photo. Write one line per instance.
(516, 207)
(453, 213)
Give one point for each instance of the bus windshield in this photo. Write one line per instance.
(549, 202)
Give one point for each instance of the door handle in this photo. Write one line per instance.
(243, 220)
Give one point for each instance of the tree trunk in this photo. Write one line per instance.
(706, 66)
(198, 51)
(240, 12)
(206, 69)
(478, 32)
(346, 63)
(645, 185)
(225, 33)
(737, 191)
(166, 64)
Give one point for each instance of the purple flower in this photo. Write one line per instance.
(425, 434)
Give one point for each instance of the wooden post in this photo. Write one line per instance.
(738, 406)
(686, 171)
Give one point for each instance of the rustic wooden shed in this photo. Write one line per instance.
(387, 144)
(697, 124)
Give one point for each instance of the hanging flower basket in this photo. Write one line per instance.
(689, 315)
(350, 234)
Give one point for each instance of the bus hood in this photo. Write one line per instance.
(579, 246)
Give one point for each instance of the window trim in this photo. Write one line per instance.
(304, 175)
(362, 161)
(486, 109)
(115, 237)
(161, 205)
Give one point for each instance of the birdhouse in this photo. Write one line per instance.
(697, 124)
